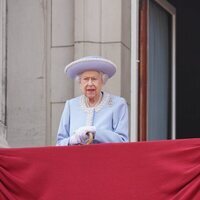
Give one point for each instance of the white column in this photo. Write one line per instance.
(134, 69)
(3, 142)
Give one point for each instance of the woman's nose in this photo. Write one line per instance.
(90, 82)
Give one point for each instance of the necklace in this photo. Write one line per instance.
(97, 103)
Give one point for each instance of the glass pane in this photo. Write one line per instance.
(158, 108)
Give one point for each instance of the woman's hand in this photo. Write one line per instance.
(81, 135)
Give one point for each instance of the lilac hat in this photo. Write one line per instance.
(95, 63)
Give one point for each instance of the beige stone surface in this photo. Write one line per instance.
(126, 73)
(3, 142)
(26, 73)
(2, 63)
(92, 16)
(88, 20)
(62, 87)
(126, 23)
(62, 22)
(111, 20)
(79, 26)
(86, 49)
(57, 109)
(113, 52)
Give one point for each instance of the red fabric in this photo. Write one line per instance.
(163, 170)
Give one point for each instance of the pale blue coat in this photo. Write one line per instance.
(110, 118)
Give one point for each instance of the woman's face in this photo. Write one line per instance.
(91, 84)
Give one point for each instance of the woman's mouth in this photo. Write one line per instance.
(90, 90)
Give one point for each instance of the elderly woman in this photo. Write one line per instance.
(97, 112)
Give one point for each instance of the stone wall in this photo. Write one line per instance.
(43, 36)
(3, 142)
(27, 66)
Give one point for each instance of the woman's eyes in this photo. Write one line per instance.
(87, 79)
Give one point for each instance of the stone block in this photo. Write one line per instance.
(126, 23)
(111, 21)
(126, 73)
(113, 52)
(88, 20)
(56, 112)
(61, 85)
(26, 77)
(62, 22)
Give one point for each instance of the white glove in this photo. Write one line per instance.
(80, 135)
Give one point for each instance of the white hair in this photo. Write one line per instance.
(78, 78)
(103, 76)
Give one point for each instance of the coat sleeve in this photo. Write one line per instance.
(120, 125)
(64, 127)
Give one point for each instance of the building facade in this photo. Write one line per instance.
(38, 38)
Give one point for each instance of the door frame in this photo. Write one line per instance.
(172, 10)
(142, 74)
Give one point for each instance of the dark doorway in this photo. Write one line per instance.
(187, 68)
(156, 70)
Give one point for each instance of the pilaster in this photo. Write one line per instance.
(2, 73)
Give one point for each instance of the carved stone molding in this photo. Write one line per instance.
(2, 67)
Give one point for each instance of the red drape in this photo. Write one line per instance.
(161, 170)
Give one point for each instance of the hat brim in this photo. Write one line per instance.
(90, 64)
